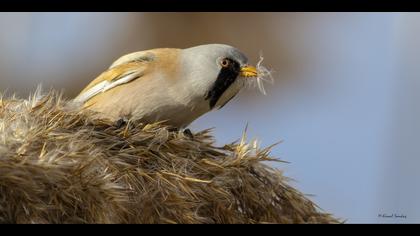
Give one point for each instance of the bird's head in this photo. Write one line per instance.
(218, 71)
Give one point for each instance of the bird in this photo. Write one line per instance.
(172, 85)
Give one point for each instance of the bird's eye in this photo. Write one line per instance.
(225, 62)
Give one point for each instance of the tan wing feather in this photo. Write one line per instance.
(113, 74)
(112, 78)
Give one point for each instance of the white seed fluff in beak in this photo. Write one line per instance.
(263, 75)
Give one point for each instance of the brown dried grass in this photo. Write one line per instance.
(59, 165)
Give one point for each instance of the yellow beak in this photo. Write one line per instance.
(248, 71)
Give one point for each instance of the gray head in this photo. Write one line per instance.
(218, 51)
(215, 71)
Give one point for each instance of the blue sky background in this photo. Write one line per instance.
(344, 102)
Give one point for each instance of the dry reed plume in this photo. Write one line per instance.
(59, 165)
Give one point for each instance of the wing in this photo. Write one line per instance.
(112, 78)
(124, 70)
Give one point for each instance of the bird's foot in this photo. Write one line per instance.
(173, 129)
(188, 133)
(121, 122)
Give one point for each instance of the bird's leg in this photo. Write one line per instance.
(188, 133)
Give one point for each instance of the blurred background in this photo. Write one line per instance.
(345, 100)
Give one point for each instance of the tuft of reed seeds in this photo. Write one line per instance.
(60, 165)
(264, 75)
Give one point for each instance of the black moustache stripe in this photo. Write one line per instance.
(225, 79)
